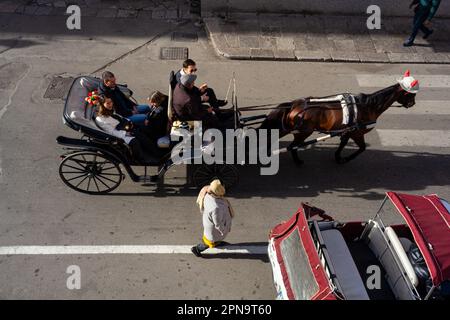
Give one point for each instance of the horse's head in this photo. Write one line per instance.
(407, 91)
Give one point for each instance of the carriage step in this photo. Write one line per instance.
(149, 179)
(252, 118)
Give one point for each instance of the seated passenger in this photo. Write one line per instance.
(156, 124)
(122, 105)
(187, 103)
(120, 127)
(189, 67)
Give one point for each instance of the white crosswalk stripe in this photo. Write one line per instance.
(424, 107)
(381, 80)
(427, 108)
(412, 138)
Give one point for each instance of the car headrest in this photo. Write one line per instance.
(401, 254)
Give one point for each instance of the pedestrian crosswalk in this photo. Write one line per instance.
(385, 80)
(424, 107)
(427, 111)
(412, 138)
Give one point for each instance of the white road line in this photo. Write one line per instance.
(424, 107)
(382, 80)
(412, 138)
(128, 249)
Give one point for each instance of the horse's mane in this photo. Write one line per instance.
(376, 98)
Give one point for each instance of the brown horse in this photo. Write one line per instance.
(304, 116)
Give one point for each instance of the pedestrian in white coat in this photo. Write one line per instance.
(217, 215)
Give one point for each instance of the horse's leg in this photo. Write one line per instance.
(298, 139)
(360, 142)
(337, 154)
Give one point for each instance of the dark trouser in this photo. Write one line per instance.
(419, 18)
(142, 144)
(226, 118)
(212, 98)
(136, 150)
(220, 121)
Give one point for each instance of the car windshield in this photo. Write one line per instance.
(301, 277)
(446, 205)
(389, 214)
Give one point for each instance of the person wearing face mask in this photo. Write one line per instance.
(190, 67)
(187, 103)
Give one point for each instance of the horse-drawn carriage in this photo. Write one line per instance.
(93, 164)
(315, 257)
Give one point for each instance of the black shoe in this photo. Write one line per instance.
(196, 252)
(408, 43)
(222, 243)
(221, 103)
(428, 34)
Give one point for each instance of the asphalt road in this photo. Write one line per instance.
(36, 208)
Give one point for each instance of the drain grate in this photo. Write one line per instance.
(58, 88)
(174, 53)
(184, 37)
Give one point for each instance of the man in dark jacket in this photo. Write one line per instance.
(190, 67)
(122, 105)
(187, 103)
(424, 12)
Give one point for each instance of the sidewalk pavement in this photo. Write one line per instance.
(325, 38)
(129, 9)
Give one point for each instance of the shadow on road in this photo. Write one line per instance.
(368, 176)
(256, 255)
(16, 43)
(240, 256)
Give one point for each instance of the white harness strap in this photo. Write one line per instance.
(336, 98)
(345, 108)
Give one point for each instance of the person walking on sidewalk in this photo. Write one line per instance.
(424, 12)
(217, 215)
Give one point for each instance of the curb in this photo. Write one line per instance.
(219, 40)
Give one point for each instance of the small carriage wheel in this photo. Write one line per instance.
(226, 173)
(90, 172)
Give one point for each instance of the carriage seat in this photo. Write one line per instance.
(380, 244)
(342, 262)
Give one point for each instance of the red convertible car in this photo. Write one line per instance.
(314, 257)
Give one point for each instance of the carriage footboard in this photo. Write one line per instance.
(71, 142)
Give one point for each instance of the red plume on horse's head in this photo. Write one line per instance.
(413, 84)
(407, 74)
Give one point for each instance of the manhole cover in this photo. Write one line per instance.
(174, 53)
(58, 88)
(182, 36)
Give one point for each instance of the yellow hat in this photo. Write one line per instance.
(217, 188)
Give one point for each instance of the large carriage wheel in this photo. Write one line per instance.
(226, 173)
(90, 172)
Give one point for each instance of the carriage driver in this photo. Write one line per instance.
(187, 103)
(208, 94)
